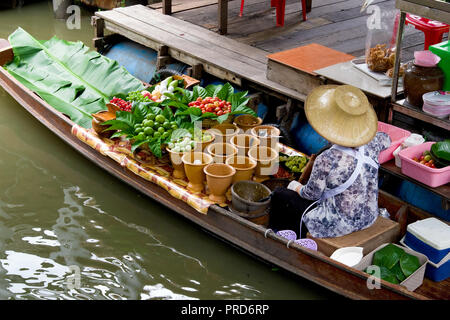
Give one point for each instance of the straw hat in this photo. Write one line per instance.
(342, 115)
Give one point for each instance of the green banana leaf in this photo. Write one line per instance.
(68, 76)
(441, 149)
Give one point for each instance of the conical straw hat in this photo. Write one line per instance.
(342, 115)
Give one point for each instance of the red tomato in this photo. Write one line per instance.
(219, 113)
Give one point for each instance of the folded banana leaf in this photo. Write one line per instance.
(68, 76)
(441, 150)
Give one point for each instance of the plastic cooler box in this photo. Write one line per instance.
(443, 51)
(431, 237)
(397, 136)
(432, 177)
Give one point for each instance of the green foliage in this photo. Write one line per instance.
(395, 264)
(68, 76)
(181, 98)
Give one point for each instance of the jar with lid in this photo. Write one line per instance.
(421, 76)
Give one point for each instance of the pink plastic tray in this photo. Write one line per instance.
(429, 176)
(397, 136)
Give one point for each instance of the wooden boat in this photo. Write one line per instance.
(252, 238)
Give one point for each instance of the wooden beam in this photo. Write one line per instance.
(196, 71)
(223, 16)
(167, 7)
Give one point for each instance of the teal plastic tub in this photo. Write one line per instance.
(443, 51)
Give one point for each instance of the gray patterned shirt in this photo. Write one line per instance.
(354, 209)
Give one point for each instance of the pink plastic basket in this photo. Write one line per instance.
(397, 136)
(432, 177)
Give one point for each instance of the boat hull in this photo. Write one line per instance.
(253, 239)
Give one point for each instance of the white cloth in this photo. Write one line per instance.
(294, 185)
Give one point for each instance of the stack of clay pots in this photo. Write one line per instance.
(237, 153)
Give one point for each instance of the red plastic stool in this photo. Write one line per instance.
(280, 6)
(433, 30)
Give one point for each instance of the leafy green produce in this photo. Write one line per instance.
(68, 76)
(387, 256)
(144, 125)
(395, 264)
(441, 150)
(295, 164)
(409, 264)
(181, 98)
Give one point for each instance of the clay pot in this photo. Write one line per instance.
(243, 142)
(177, 164)
(251, 201)
(219, 177)
(247, 122)
(221, 151)
(266, 159)
(269, 136)
(245, 167)
(224, 132)
(194, 162)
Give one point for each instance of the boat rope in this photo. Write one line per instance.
(289, 242)
(267, 230)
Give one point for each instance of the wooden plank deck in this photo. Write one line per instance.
(337, 24)
(191, 44)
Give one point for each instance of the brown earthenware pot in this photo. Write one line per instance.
(194, 162)
(218, 178)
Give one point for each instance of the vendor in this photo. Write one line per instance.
(341, 195)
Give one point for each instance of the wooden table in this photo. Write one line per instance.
(222, 13)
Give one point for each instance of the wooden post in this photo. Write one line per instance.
(163, 57)
(223, 16)
(308, 5)
(167, 7)
(99, 32)
(196, 71)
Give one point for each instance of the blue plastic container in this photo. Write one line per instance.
(423, 199)
(306, 138)
(431, 237)
(418, 245)
(139, 60)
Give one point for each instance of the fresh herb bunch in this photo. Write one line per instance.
(181, 98)
(136, 96)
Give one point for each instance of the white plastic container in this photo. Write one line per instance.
(437, 103)
(413, 140)
(349, 256)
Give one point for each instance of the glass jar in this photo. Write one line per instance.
(419, 80)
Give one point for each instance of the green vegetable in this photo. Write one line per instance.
(441, 150)
(387, 256)
(68, 76)
(409, 264)
(136, 96)
(395, 264)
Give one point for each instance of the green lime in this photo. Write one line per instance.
(141, 136)
(173, 123)
(144, 123)
(156, 135)
(166, 125)
(161, 130)
(165, 135)
(174, 127)
(149, 131)
(138, 130)
(160, 118)
(150, 123)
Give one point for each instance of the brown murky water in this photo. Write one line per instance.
(60, 214)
